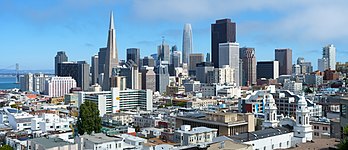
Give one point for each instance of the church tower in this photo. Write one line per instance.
(271, 120)
(303, 129)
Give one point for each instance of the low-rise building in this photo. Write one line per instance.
(99, 141)
(321, 128)
(227, 123)
(50, 144)
(198, 135)
(17, 119)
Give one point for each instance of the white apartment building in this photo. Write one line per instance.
(185, 136)
(293, 86)
(17, 119)
(224, 75)
(59, 86)
(116, 100)
(99, 141)
(50, 122)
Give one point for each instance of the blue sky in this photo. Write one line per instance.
(32, 32)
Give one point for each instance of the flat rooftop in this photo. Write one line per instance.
(48, 143)
(260, 134)
(318, 144)
(99, 138)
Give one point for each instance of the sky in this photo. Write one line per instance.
(31, 32)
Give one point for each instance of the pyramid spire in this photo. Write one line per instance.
(111, 21)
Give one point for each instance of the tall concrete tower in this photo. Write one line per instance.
(186, 43)
(111, 60)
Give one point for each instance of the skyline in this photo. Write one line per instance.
(80, 28)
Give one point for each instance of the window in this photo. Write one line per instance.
(299, 120)
(325, 128)
(272, 146)
(280, 144)
(287, 143)
(51, 127)
(264, 148)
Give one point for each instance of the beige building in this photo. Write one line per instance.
(172, 90)
(118, 119)
(227, 123)
(119, 82)
(201, 103)
(321, 128)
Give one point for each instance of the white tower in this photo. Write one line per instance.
(302, 129)
(271, 120)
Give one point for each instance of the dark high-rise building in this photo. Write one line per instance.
(149, 61)
(267, 69)
(101, 61)
(247, 55)
(94, 69)
(202, 70)
(133, 54)
(194, 59)
(60, 57)
(207, 57)
(77, 70)
(284, 57)
(223, 31)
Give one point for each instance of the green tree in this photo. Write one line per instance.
(308, 90)
(88, 119)
(6, 147)
(344, 143)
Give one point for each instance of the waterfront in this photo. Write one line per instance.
(8, 82)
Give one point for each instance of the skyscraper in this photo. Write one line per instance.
(222, 31)
(60, 57)
(329, 52)
(131, 71)
(94, 69)
(194, 59)
(162, 77)
(163, 52)
(148, 78)
(229, 55)
(186, 43)
(111, 60)
(133, 54)
(148, 61)
(77, 70)
(267, 69)
(101, 61)
(207, 57)
(284, 57)
(249, 65)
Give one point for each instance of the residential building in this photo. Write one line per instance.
(195, 136)
(50, 144)
(99, 141)
(59, 86)
(223, 75)
(116, 100)
(17, 119)
(321, 128)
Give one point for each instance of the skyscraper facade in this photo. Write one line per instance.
(101, 61)
(94, 69)
(131, 71)
(133, 54)
(149, 61)
(77, 70)
(59, 86)
(60, 57)
(222, 31)
(162, 77)
(111, 59)
(148, 78)
(194, 59)
(163, 52)
(284, 57)
(329, 52)
(229, 55)
(186, 43)
(248, 66)
(267, 69)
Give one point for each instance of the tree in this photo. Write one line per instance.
(88, 120)
(344, 143)
(308, 90)
(6, 147)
